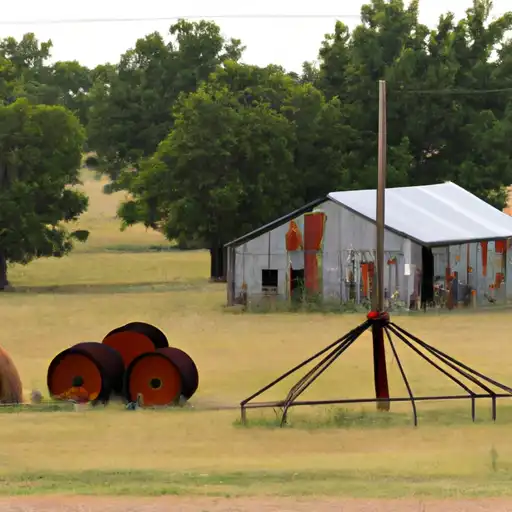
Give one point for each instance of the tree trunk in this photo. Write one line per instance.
(3, 272)
(218, 259)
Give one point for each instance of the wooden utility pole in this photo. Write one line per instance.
(379, 354)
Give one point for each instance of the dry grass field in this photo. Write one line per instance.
(201, 451)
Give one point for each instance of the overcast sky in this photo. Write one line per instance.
(287, 42)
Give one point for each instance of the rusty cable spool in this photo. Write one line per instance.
(161, 377)
(187, 368)
(135, 338)
(97, 366)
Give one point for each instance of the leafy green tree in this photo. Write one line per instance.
(32, 77)
(40, 153)
(321, 128)
(72, 83)
(436, 116)
(223, 168)
(7, 79)
(28, 59)
(28, 56)
(132, 108)
(489, 169)
(248, 146)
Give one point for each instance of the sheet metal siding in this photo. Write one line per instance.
(267, 251)
(508, 275)
(346, 231)
(275, 223)
(332, 271)
(230, 276)
(433, 214)
(470, 270)
(412, 256)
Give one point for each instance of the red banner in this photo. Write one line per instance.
(500, 246)
(484, 258)
(313, 236)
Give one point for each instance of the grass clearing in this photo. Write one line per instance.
(255, 483)
(100, 220)
(195, 450)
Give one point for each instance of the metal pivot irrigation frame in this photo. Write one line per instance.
(382, 328)
(454, 371)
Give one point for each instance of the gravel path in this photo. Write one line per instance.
(166, 504)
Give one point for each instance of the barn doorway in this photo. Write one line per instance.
(427, 278)
(297, 284)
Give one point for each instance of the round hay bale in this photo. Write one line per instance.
(11, 390)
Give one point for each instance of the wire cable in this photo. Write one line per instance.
(70, 21)
(175, 18)
(452, 91)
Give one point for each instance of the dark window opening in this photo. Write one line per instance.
(427, 278)
(269, 278)
(297, 284)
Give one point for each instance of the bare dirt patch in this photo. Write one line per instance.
(165, 504)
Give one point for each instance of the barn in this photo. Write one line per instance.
(443, 246)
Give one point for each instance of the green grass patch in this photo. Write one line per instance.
(345, 418)
(246, 483)
(46, 406)
(110, 288)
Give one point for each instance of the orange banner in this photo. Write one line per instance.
(293, 237)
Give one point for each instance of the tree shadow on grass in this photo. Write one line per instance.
(109, 288)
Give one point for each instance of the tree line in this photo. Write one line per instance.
(209, 147)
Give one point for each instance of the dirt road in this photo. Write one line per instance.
(171, 504)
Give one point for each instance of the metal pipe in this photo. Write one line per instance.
(452, 359)
(304, 363)
(404, 377)
(326, 363)
(437, 398)
(447, 362)
(399, 335)
(452, 363)
(329, 359)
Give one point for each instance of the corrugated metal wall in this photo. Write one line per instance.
(349, 239)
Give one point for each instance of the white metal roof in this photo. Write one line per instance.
(432, 214)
